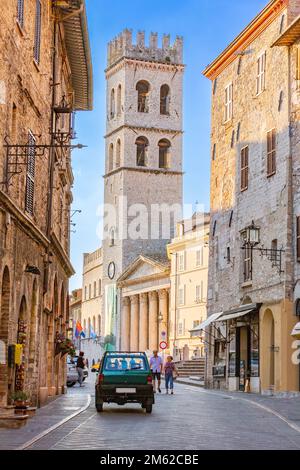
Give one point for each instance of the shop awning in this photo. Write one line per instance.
(211, 319)
(296, 331)
(239, 312)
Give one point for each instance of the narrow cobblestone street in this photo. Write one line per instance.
(193, 419)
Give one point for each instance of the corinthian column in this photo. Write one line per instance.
(153, 321)
(163, 311)
(143, 330)
(125, 325)
(134, 323)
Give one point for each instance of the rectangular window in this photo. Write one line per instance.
(181, 261)
(90, 291)
(244, 168)
(248, 263)
(214, 152)
(261, 73)
(20, 13)
(180, 328)
(99, 287)
(199, 292)
(181, 295)
(85, 293)
(298, 239)
(228, 102)
(271, 152)
(37, 32)
(199, 257)
(95, 289)
(30, 175)
(196, 323)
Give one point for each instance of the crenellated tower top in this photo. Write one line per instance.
(122, 46)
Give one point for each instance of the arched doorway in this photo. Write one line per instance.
(4, 321)
(32, 341)
(52, 318)
(268, 350)
(23, 340)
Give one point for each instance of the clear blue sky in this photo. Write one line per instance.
(207, 26)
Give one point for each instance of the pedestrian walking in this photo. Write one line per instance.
(156, 366)
(170, 373)
(80, 367)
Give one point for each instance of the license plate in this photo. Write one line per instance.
(125, 390)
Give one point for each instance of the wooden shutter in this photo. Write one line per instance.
(30, 175)
(37, 32)
(244, 168)
(298, 238)
(20, 13)
(271, 152)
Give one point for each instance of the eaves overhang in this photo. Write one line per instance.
(290, 35)
(74, 19)
(246, 37)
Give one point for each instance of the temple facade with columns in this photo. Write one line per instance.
(145, 291)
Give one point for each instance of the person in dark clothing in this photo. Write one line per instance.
(80, 367)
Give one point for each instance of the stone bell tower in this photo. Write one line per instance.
(143, 168)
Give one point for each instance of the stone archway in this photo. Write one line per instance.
(4, 322)
(22, 339)
(32, 365)
(267, 350)
(52, 319)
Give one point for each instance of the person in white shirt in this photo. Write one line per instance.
(156, 365)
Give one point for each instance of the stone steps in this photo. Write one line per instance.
(192, 368)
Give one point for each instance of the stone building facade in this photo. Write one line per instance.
(92, 319)
(253, 283)
(188, 253)
(45, 75)
(143, 155)
(75, 313)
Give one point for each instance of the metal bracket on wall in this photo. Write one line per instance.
(272, 254)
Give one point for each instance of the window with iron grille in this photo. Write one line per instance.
(20, 13)
(244, 168)
(271, 152)
(248, 261)
(37, 32)
(30, 174)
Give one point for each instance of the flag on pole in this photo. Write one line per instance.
(79, 331)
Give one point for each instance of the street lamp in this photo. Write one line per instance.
(252, 237)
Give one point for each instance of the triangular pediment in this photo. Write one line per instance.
(144, 267)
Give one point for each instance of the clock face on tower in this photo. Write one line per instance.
(111, 270)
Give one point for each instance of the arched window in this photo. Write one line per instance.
(112, 104)
(111, 157)
(143, 89)
(99, 287)
(164, 153)
(89, 328)
(84, 326)
(165, 100)
(99, 325)
(141, 150)
(94, 324)
(119, 100)
(118, 154)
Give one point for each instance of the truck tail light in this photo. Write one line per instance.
(149, 379)
(100, 379)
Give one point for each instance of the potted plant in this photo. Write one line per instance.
(20, 399)
(67, 347)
